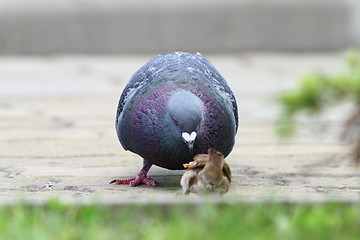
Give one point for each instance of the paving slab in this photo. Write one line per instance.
(58, 138)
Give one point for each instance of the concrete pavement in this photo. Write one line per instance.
(58, 138)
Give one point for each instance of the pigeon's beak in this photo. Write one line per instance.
(189, 140)
(190, 146)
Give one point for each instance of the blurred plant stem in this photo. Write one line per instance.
(317, 91)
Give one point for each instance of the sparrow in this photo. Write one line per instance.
(208, 173)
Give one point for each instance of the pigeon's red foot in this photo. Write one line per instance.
(141, 178)
(136, 181)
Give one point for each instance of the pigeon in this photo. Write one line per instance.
(208, 173)
(174, 107)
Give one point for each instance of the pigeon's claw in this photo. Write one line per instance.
(141, 178)
(136, 181)
(144, 180)
(122, 181)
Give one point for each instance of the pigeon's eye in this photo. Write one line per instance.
(175, 122)
(199, 120)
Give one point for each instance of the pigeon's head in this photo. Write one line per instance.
(184, 116)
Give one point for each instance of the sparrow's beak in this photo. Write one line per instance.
(189, 140)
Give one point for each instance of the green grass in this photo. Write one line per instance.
(221, 221)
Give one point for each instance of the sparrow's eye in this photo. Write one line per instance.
(175, 122)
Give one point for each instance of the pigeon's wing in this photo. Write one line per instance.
(147, 74)
(220, 84)
(140, 78)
